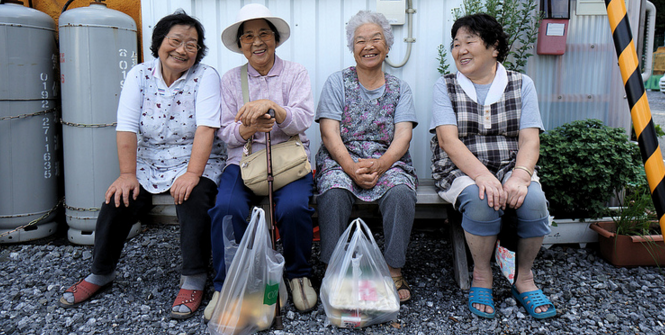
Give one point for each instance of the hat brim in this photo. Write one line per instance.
(229, 35)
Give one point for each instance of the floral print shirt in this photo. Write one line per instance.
(165, 121)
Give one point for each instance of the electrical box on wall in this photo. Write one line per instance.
(554, 27)
(394, 10)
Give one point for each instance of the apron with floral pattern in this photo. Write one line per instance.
(367, 129)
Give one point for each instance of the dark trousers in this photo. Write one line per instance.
(292, 213)
(114, 223)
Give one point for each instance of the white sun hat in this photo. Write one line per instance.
(251, 12)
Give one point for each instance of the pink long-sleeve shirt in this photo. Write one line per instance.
(288, 85)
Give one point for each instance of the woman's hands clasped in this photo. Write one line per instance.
(366, 172)
(254, 117)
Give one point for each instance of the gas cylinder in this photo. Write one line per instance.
(29, 164)
(98, 47)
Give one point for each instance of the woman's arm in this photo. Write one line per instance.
(183, 185)
(467, 162)
(331, 139)
(126, 184)
(527, 157)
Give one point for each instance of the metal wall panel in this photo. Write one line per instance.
(586, 81)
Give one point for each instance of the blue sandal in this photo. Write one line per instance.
(479, 295)
(533, 299)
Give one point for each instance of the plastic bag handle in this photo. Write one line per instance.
(363, 226)
(257, 214)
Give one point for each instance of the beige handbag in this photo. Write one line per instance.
(289, 159)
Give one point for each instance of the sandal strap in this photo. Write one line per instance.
(481, 295)
(532, 300)
(82, 290)
(190, 298)
(535, 299)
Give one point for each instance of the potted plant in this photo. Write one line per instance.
(633, 237)
(582, 165)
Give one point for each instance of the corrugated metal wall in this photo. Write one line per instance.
(584, 83)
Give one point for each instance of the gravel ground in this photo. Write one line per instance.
(591, 296)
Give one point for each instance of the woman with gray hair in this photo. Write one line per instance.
(366, 119)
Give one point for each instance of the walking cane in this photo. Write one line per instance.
(278, 314)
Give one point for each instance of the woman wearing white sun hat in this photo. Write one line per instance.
(284, 87)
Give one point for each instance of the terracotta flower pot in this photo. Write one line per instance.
(629, 251)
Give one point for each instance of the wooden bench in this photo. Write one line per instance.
(428, 206)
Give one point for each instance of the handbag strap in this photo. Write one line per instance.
(245, 85)
(247, 150)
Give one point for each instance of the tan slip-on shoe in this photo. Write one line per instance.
(207, 313)
(303, 294)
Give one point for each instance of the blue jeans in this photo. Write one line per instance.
(292, 213)
(480, 219)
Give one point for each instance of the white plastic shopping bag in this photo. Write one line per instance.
(248, 298)
(357, 290)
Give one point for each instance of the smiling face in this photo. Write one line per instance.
(369, 46)
(175, 61)
(260, 54)
(472, 58)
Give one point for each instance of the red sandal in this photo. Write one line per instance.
(82, 291)
(190, 298)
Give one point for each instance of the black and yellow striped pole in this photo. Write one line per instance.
(639, 106)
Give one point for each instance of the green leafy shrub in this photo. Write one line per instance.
(582, 164)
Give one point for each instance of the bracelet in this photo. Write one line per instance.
(525, 169)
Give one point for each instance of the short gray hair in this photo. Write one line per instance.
(367, 16)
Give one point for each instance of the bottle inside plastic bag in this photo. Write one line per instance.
(247, 302)
(357, 290)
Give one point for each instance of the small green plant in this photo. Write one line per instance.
(443, 65)
(637, 217)
(582, 164)
(519, 19)
(636, 214)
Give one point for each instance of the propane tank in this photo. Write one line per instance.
(98, 47)
(29, 164)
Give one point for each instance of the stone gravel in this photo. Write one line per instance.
(591, 296)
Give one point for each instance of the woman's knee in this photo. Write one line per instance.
(474, 208)
(400, 195)
(477, 217)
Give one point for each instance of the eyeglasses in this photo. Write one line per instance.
(190, 46)
(264, 35)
